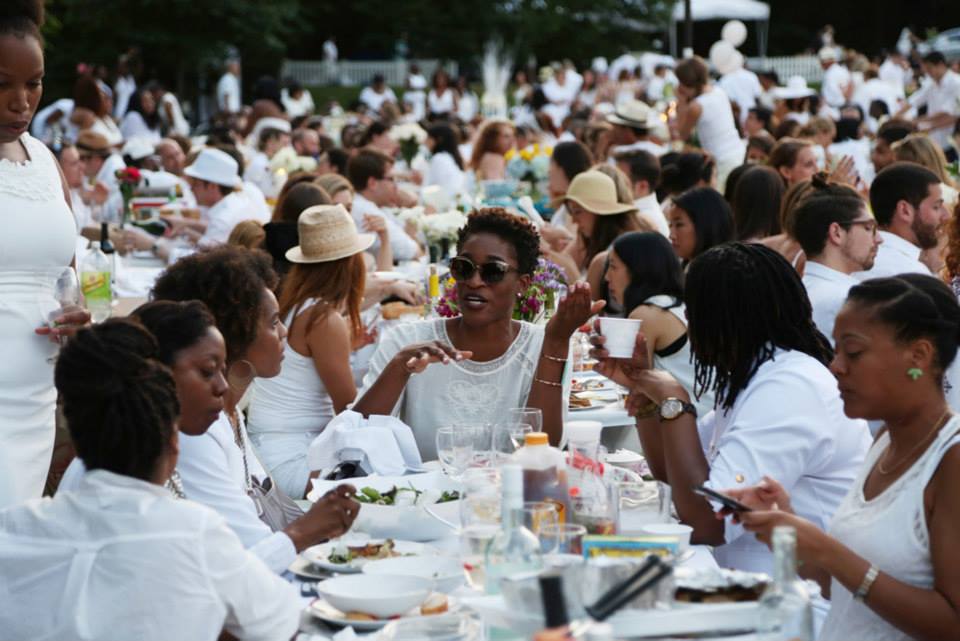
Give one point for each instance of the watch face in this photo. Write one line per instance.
(671, 408)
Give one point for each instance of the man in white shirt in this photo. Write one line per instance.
(228, 88)
(376, 94)
(940, 94)
(632, 123)
(121, 558)
(643, 169)
(908, 205)
(839, 237)
(837, 86)
(214, 178)
(743, 87)
(371, 174)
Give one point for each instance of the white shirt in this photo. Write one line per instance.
(123, 90)
(939, 97)
(827, 290)
(459, 392)
(743, 87)
(211, 468)
(404, 247)
(374, 100)
(445, 173)
(224, 216)
(176, 122)
(859, 150)
(228, 93)
(134, 126)
(648, 209)
(877, 89)
(835, 80)
(787, 424)
(330, 51)
(468, 106)
(258, 172)
(440, 103)
(894, 256)
(296, 107)
(120, 558)
(894, 75)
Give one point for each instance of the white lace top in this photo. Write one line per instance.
(465, 392)
(890, 531)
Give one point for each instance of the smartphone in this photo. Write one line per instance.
(727, 502)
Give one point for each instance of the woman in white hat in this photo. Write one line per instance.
(592, 203)
(793, 100)
(320, 304)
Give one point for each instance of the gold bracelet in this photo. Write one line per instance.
(551, 384)
(553, 358)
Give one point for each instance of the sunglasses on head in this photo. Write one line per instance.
(463, 269)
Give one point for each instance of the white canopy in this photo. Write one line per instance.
(724, 9)
(746, 10)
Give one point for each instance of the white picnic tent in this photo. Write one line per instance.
(745, 10)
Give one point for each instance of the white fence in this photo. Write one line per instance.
(356, 73)
(786, 66)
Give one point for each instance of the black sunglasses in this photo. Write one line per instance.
(462, 269)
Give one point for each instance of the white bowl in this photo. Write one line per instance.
(679, 530)
(446, 572)
(380, 596)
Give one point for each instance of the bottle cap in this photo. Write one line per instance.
(536, 438)
(554, 603)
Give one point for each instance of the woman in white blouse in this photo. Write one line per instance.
(218, 468)
(441, 99)
(491, 363)
(889, 558)
(446, 166)
(120, 557)
(142, 119)
(778, 409)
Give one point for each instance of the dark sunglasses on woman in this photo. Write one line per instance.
(463, 269)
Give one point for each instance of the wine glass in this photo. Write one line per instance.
(479, 523)
(538, 515)
(64, 294)
(531, 416)
(455, 450)
(508, 438)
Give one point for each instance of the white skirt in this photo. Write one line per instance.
(28, 398)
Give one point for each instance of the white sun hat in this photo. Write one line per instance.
(215, 166)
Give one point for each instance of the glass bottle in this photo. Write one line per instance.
(785, 609)
(514, 549)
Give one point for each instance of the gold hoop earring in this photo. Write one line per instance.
(241, 373)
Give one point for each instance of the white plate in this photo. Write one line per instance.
(329, 614)
(304, 569)
(318, 554)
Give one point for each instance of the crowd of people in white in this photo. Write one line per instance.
(793, 252)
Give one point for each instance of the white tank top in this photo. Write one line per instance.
(679, 363)
(440, 104)
(294, 401)
(890, 531)
(716, 129)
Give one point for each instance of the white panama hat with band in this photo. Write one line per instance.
(636, 114)
(597, 193)
(215, 166)
(327, 233)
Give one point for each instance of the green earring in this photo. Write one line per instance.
(914, 373)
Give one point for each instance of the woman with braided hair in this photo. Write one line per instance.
(119, 557)
(778, 411)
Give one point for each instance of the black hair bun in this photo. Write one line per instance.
(29, 10)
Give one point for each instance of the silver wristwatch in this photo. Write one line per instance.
(671, 408)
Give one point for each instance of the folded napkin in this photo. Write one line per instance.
(384, 445)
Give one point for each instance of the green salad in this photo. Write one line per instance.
(395, 496)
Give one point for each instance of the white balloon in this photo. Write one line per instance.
(734, 32)
(723, 57)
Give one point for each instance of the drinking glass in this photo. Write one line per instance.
(480, 522)
(482, 443)
(531, 416)
(455, 450)
(539, 514)
(66, 293)
(562, 538)
(508, 438)
(643, 504)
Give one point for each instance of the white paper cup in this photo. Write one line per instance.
(621, 335)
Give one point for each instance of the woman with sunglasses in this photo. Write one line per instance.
(492, 363)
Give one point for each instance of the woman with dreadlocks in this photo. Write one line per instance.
(778, 411)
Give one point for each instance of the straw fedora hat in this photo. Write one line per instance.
(636, 114)
(597, 193)
(327, 233)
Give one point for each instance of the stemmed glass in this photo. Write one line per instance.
(531, 416)
(64, 295)
(508, 438)
(455, 450)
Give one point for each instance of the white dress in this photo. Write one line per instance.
(718, 132)
(903, 549)
(457, 393)
(286, 413)
(37, 243)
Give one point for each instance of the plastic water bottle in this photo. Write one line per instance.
(785, 610)
(96, 283)
(514, 549)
